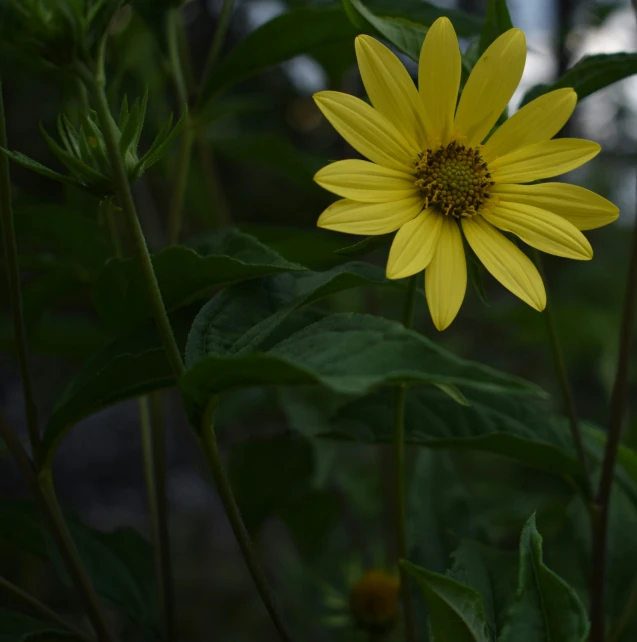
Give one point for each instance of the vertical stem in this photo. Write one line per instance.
(400, 474)
(106, 210)
(35, 606)
(152, 432)
(618, 410)
(210, 448)
(562, 376)
(95, 84)
(10, 248)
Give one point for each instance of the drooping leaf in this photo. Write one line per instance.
(589, 75)
(38, 168)
(546, 607)
(17, 627)
(345, 353)
(299, 31)
(184, 276)
(497, 21)
(456, 611)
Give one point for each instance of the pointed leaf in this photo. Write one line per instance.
(38, 168)
(497, 21)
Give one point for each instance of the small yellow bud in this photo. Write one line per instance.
(374, 601)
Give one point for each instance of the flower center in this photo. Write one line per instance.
(454, 179)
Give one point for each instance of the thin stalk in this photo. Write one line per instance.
(10, 248)
(617, 413)
(212, 181)
(400, 475)
(152, 431)
(208, 441)
(217, 43)
(35, 606)
(565, 386)
(95, 84)
(106, 210)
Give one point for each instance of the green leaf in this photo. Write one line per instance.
(405, 34)
(497, 21)
(348, 354)
(38, 168)
(365, 246)
(162, 143)
(456, 611)
(299, 31)
(16, 627)
(546, 607)
(130, 130)
(184, 276)
(242, 317)
(589, 75)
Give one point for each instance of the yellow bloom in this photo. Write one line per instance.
(436, 174)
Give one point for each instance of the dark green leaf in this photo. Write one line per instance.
(365, 246)
(299, 31)
(348, 354)
(456, 611)
(546, 607)
(38, 168)
(16, 627)
(242, 317)
(590, 74)
(130, 130)
(162, 143)
(497, 21)
(184, 276)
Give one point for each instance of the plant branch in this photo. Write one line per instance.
(152, 431)
(400, 474)
(10, 248)
(562, 377)
(617, 413)
(35, 606)
(208, 441)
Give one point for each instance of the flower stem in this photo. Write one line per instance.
(95, 85)
(10, 248)
(210, 448)
(35, 606)
(562, 376)
(400, 474)
(152, 432)
(617, 413)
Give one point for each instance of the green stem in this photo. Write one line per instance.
(217, 43)
(111, 136)
(400, 474)
(71, 556)
(618, 411)
(152, 432)
(35, 606)
(562, 376)
(210, 448)
(107, 214)
(10, 248)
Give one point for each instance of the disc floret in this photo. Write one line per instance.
(454, 179)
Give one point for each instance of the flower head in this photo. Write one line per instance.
(374, 602)
(437, 173)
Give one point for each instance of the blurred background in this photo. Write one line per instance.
(265, 140)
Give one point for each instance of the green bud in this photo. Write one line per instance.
(82, 150)
(56, 32)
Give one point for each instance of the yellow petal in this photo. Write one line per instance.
(439, 79)
(543, 230)
(581, 207)
(446, 275)
(543, 160)
(366, 182)
(414, 245)
(390, 89)
(352, 217)
(367, 131)
(540, 120)
(505, 261)
(490, 86)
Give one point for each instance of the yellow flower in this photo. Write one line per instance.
(436, 175)
(374, 600)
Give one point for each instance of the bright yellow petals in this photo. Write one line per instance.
(543, 160)
(542, 230)
(490, 86)
(439, 79)
(353, 217)
(414, 245)
(366, 130)
(581, 207)
(366, 182)
(446, 275)
(505, 262)
(391, 89)
(538, 121)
